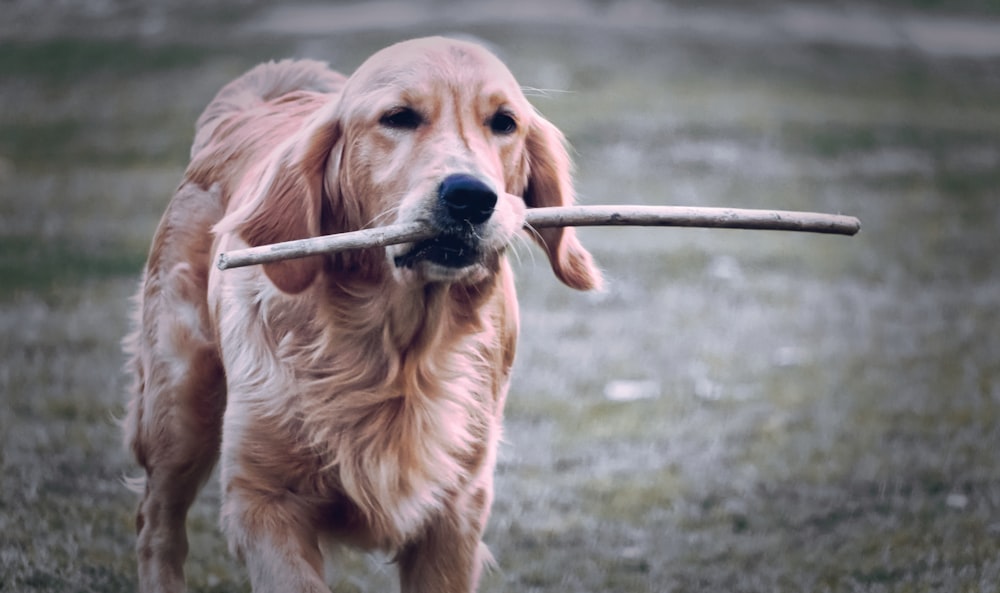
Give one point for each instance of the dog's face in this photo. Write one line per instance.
(435, 131)
(431, 130)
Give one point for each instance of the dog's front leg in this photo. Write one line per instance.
(449, 556)
(271, 531)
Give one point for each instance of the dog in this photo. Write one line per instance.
(353, 398)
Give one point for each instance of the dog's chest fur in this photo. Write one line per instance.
(378, 425)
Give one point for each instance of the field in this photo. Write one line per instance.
(739, 411)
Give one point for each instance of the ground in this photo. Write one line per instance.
(740, 411)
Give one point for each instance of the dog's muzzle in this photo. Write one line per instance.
(464, 205)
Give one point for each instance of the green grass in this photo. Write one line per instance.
(71, 60)
(30, 265)
(98, 143)
(971, 6)
(827, 408)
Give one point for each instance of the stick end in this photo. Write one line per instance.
(852, 227)
(223, 262)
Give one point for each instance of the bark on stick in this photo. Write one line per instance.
(676, 216)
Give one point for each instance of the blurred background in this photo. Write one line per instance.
(739, 411)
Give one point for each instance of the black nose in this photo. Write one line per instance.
(467, 198)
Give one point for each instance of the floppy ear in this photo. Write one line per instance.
(286, 202)
(550, 184)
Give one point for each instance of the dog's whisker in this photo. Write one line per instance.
(531, 91)
(533, 232)
(387, 216)
(525, 243)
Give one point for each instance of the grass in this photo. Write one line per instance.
(825, 410)
(29, 265)
(61, 61)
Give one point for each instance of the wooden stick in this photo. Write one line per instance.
(680, 216)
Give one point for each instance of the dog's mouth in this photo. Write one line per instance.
(450, 250)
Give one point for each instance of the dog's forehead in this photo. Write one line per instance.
(420, 62)
(435, 56)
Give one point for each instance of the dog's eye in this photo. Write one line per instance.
(503, 123)
(402, 118)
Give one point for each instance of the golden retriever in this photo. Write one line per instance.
(353, 398)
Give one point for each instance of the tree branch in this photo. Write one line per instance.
(679, 216)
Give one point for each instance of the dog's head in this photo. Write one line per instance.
(434, 131)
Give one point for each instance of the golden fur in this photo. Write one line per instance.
(349, 397)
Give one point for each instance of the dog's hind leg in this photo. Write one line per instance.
(174, 420)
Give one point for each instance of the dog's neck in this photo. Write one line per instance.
(370, 328)
(412, 317)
